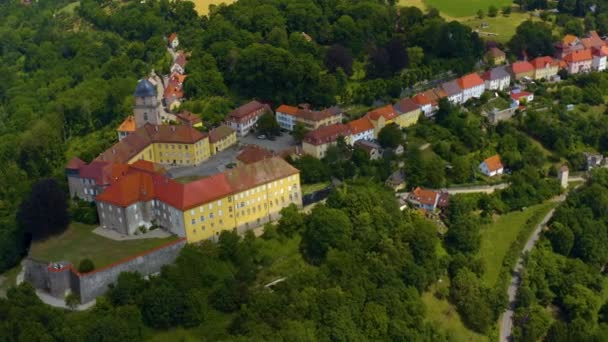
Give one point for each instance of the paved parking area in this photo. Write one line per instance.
(217, 163)
(279, 144)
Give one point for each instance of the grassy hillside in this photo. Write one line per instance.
(457, 8)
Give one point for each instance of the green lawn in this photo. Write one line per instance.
(444, 315)
(496, 238)
(310, 188)
(79, 242)
(504, 27)
(463, 8)
(69, 8)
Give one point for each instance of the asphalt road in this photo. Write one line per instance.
(506, 322)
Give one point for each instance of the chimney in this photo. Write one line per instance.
(113, 151)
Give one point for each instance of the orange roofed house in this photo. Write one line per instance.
(126, 127)
(361, 129)
(317, 142)
(381, 117)
(522, 69)
(579, 61)
(241, 198)
(288, 116)
(428, 199)
(545, 67)
(245, 118)
(472, 86)
(492, 166)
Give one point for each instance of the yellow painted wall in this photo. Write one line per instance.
(545, 73)
(223, 143)
(253, 207)
(312, 125)
(182, 154)
(408, 119)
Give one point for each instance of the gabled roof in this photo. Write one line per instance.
(569, 39)
(131, 145)
(248, 109)
(593, 40)
(388, 112)
(309, 115)
(138, 186)
(519, 95)
(544, 62)
(367, 145)
(220, 133)
(326, 134)
(579, 56)
(470, 81)
(172, 37)
(496, 52)
(422, 99)
(424, 196)
(188, 117)
(406, 105)
(493, 163)
(451, 88)
(521, 67)
(497, 73)
(602, 52)
(128, 125)
(360, 125)
(75, 164)
(254, 153)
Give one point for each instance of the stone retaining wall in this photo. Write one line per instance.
(60, 278)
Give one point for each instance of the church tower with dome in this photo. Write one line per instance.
(147, 107)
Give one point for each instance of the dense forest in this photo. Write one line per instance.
(365, 265)
(564, 295)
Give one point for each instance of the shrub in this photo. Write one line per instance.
(72, 300)
(86, 266)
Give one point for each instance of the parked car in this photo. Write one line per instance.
(262, 136)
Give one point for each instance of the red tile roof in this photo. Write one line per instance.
(172, 37)
(142, 186)
(326, 134)
(470, 81)
(424, 196)
(406, 105)
(493, 163)
(249, 109)
(131, 145)
(544, 62)
(388, 112)
(219, 133)
(422, 99)
(254, 153)
(128, 125)
(188, 118)
(517, 96)
(522, 67)
(579, 56)
(603, 51)
(75, 164)
(307, 114)
(360, 125)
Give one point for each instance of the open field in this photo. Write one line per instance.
(202, 6)
(504, 27)
(457, 8)
(496, 238)
(79, 242)
(444, 315)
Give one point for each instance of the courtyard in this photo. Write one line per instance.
(220, 161)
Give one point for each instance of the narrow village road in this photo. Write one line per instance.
(506, 323)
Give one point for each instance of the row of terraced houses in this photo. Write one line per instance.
(573, 55)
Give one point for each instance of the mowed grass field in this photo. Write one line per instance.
(503, 27)
(202, 6)
(79, 242)
(496, 238)
(457, 8)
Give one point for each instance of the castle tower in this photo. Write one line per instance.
(147, 106)
(562, 176)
